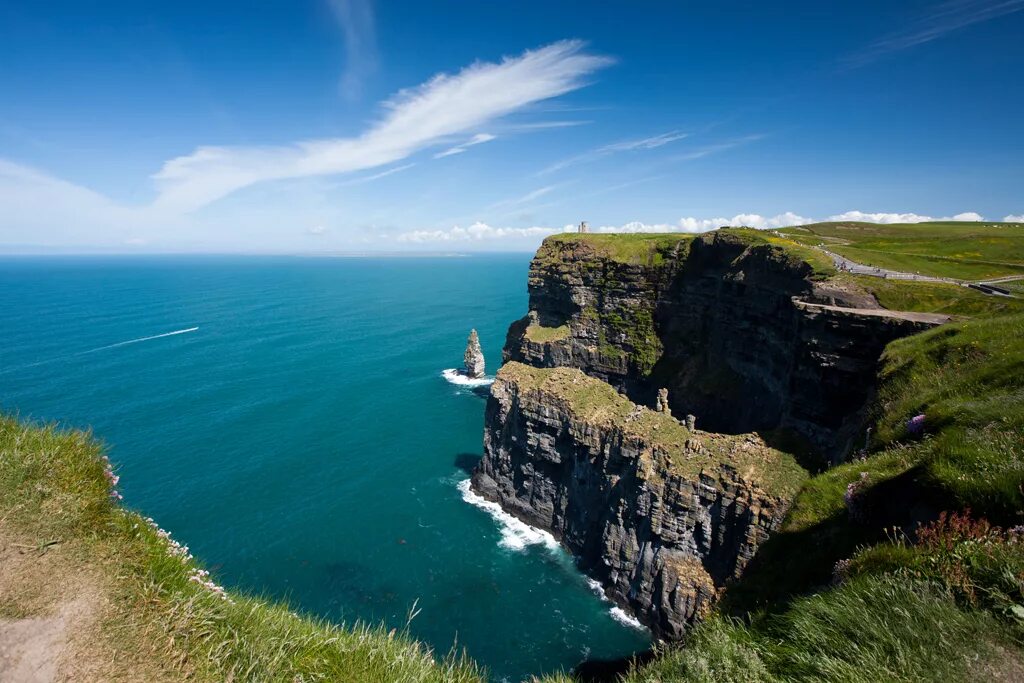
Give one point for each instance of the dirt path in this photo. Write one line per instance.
(55, 613)
(930, 318)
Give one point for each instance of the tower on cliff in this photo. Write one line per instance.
(584, 227)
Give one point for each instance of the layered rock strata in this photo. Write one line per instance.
(662, 516)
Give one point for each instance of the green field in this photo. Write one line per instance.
(961, 250)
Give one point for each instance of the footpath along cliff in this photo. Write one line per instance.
(737, 334)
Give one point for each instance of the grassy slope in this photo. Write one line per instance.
(53, 487)
(968, 251)
(932, 297)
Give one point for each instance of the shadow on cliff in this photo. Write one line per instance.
(791, 564)
(609, 670)
(467, 462)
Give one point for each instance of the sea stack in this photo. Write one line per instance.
(474, 358)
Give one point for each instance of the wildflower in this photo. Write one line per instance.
(841, 571)
(854, 498)
(915, 425)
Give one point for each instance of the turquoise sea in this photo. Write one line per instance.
(298, 435)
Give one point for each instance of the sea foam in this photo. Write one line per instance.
(456, 377)
(515, 534)
(618, 614)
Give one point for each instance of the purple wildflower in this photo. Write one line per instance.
(915, 425)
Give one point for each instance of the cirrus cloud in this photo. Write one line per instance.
(417, 118)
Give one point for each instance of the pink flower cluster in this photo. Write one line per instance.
(854, 498)
(841, 571)
(202, 577)
(195, 575)
(112, 479)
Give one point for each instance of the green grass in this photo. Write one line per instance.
(960, 250)
(869, 629)
(933, 297)
(595, 402)
(541, 335)
(968, 380)
(630, 248)
(53, 486)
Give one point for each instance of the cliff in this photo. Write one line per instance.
(662, 516)
(747, 333)
(743, 329)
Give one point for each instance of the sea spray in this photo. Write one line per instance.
(515, 534)
(457, 377)
(618, 614)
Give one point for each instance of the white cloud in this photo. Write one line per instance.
(901, 217)
(477, 139)
(1012, 218)
(417, 118)
(317, 230)
(652, 142)
(691, 224)
(645, 143)
(355, 17)
(477, 232)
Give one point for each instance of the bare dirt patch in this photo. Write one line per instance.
(54, 609)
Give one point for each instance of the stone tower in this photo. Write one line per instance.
(584, 227)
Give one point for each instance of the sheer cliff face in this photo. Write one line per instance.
(730, 327)
(662, 516)
(743, 334)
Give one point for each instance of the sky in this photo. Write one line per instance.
(325, 126)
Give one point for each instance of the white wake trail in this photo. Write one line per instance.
(141, 339)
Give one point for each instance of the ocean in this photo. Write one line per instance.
(287, 418)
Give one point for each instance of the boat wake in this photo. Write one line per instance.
(142, 339)
(515, 534)
(456, 377)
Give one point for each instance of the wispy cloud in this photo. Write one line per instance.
(477, 139)
(942, 19)
(477, 232)
(355, 17)
(376, 176)
(652, 142)
(708, 150)
(445, 106)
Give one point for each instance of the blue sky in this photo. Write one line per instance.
(341, 125)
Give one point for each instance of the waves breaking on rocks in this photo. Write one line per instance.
(456, 377)
(515, 534)
(618, 614)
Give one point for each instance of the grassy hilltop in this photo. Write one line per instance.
(906, 564)
(960, 250)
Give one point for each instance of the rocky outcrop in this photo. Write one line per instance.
(662, 516)
(738, 327)
(473, 359)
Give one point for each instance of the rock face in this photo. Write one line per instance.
(736, 328)
(661, 516)
(731, 330)
(473, 360)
